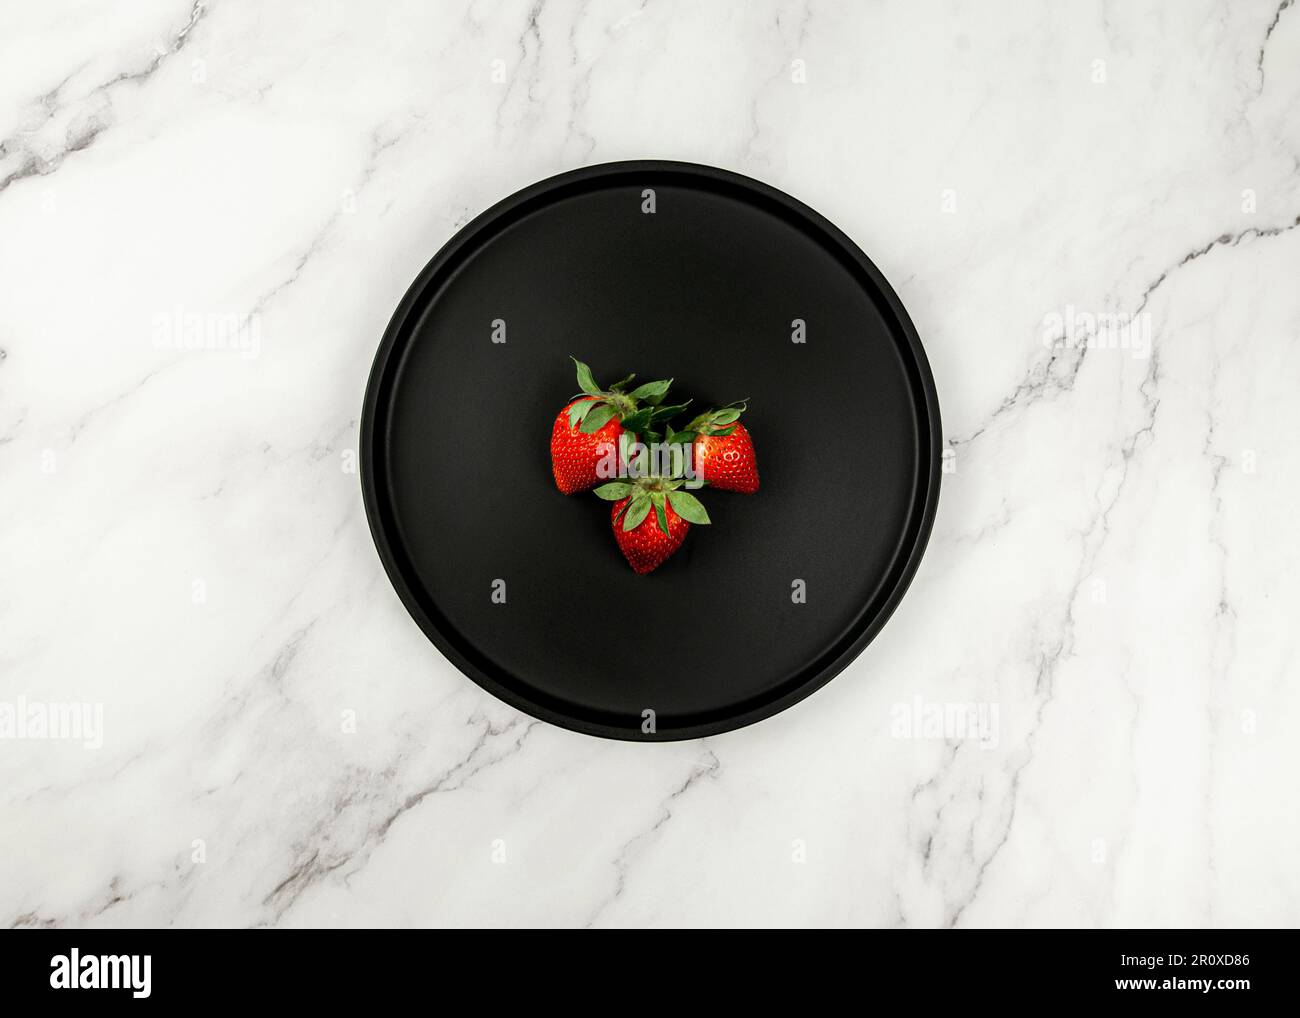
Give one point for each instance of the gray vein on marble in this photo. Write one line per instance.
(1268, 34)
(1044, 380)
(748, 148)
(1095, 535)
(378, 146)
(529, 57)
(81, 137)
(315, 859)
(709, 767)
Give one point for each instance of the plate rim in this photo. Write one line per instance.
(372, 489)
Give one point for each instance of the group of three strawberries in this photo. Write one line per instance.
(651, 511)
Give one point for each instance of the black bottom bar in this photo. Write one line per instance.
(140, 969)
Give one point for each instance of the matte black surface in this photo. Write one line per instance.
(456, 464)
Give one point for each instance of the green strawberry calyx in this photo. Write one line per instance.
(713, 423)
(646, 493)
(636, 411)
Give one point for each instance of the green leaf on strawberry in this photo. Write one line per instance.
(579, 411)
(637, 510)
(663, 413)
(637, 421)
(688, 507)
(613, 491)
(651, 392)
(586, 382)
(597, 418)
(712, 422)
(657, 500)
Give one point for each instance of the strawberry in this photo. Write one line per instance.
(646, 547)
(575, 454)
(648, 538)
(724, 452)
(587, 430)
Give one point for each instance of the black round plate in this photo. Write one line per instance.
(456, 467)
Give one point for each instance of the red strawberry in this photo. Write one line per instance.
(587, 430)
(650, 517)
(646, 546)
(575, 454)
(724, 452)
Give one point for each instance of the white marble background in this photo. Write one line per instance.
(1114, 567)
